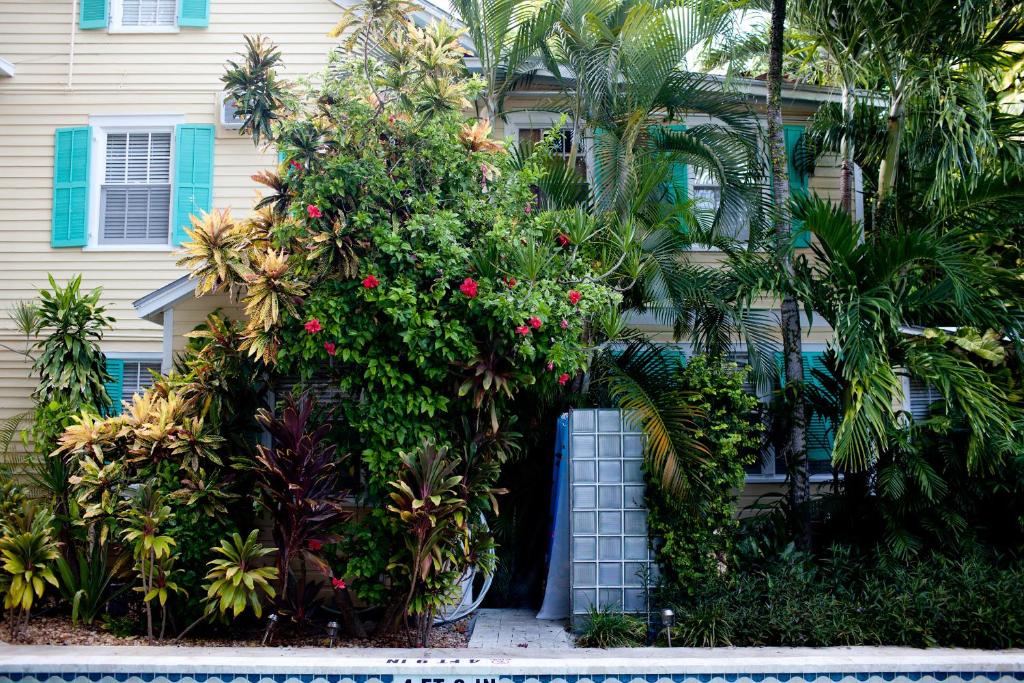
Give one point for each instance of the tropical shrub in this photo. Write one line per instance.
(606, 628)
(28, 551)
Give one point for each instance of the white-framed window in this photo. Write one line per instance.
(132, 182)
(530, 127)
(144, 16)
(707, 193)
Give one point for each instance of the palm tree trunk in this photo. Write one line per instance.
(794, 447)
(893, 137)
(846, 152)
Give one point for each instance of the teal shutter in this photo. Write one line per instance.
(193, 176)
(797, 179)
(601, 144)
(819, 431)
(115, 367)
(679, 190)
(70, 210)
(93, 14)
(194, 13)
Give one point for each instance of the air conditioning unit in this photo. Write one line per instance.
(229, 117)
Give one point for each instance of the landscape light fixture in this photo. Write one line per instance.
(668, 618)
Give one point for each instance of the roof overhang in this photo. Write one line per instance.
(152, 306)
(6, 68)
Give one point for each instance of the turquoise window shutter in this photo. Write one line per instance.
(819, 430)
(680, 188)
(797, 179)
(70, 210)
(93, 14)
(193, 176)
(115, 367)
(194, 13)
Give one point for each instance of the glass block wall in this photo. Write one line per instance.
(609, 551)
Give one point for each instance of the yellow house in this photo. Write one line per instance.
(114, 129)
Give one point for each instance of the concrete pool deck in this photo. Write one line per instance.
(91, 663)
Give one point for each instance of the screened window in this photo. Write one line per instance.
(135, 201)
(141, 13)
(138, 376)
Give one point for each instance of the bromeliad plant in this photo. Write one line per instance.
(28, 551)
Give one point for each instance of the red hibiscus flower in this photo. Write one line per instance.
(534, 321)
(509, 281)
(564, 324)
(314, 211)
(574, 297)
(469, 287)
(369, 282)
(563, 378)
(523, 330)
(339, 584)
(315, 545)
(562, 239)
(313, 326)
(331, 348)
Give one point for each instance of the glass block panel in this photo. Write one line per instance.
(635, 522)
(584, 471)
(584, 548)
(635, 600)
(633, 573)
(609, 470)
(610, 573)
(611, 598)
(584, 523)
(584, 574)
(609, 446)
(631, 424)
(609, 421)
(582, 421)
(632, 446)
(636, 547)
(633, 497)
(583, 446)
(632, 471)
(584, 497)
(609, 548)
(609, 522)
(609, 497)
(582, 600)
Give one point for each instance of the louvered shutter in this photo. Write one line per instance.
(138, 376)
(193, 189)
(819, 430)
(921, 398)
(194, 13)
(93, 14)
(136, 191)
(797, 179)
(115, 368)
(70, 214)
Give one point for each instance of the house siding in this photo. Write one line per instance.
(119, 73)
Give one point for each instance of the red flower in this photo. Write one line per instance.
(313, 326)
(314, 211)
(296, 165)
(562, 239)
(523, 330)
(534, 322)
(468, 287)
(563, 378)
(369, 282)
(331, 348)
(339, 584)
(564, 324)
(509, 281)
(574, 297)
(315, 545)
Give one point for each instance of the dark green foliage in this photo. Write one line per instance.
(254, 87)
(693, 534)
(794, 600)
(607, 628)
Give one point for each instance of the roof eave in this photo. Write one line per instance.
(152, 306)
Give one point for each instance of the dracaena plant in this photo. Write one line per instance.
(429, 504)
(298, 479)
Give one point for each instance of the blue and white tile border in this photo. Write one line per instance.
(678, 665)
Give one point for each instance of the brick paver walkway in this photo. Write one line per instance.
(505, 628)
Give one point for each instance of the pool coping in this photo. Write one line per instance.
(631, 662)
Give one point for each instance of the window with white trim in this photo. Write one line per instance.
(562, 147)
(135, 197)
(707, 194)
(144, 15)
(138, 376)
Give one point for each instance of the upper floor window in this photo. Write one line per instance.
(135, 198)
(562, 147)
(707, 194)
(147, 14)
